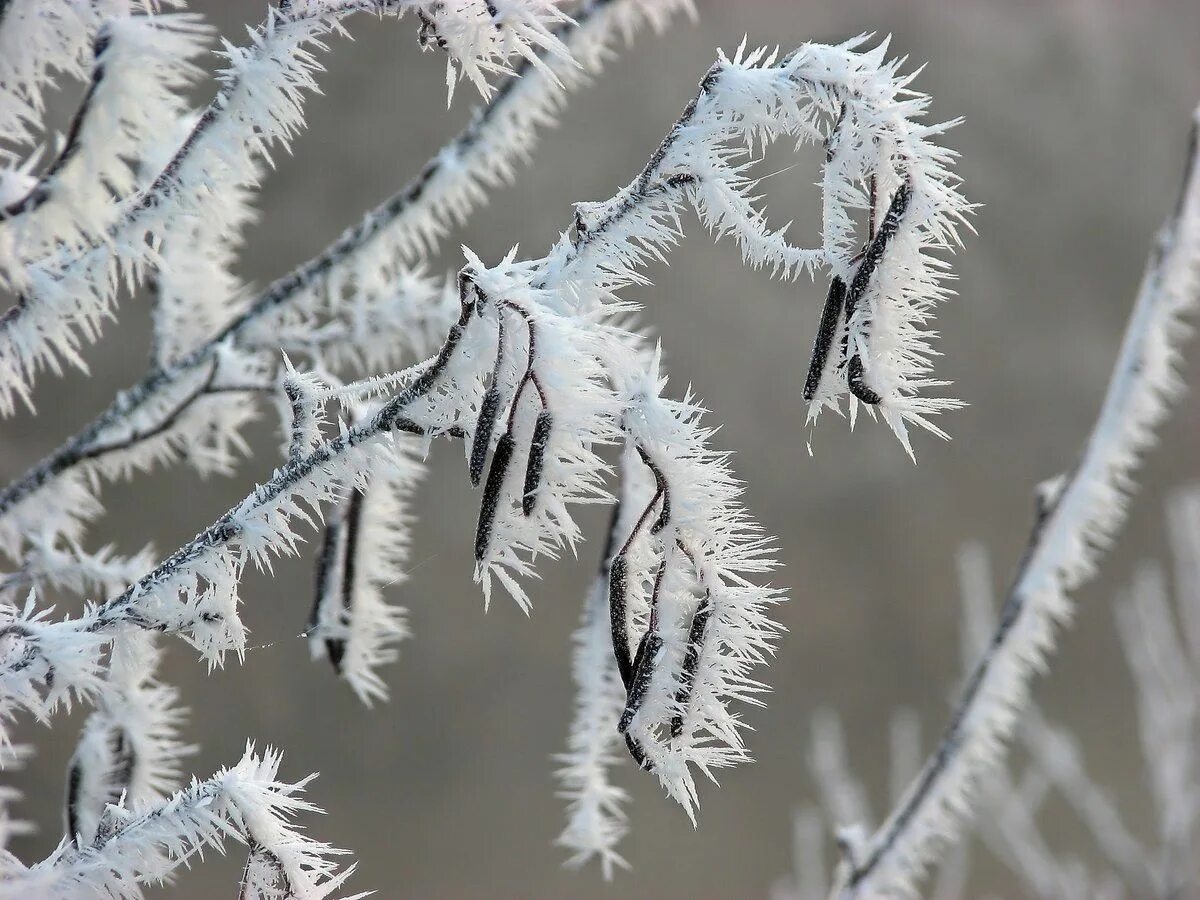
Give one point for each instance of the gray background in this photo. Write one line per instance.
(1076, 116)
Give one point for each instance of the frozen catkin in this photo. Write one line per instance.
(129, 752)
(363, 552)
(537, 368)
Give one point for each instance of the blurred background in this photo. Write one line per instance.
(1076, 116)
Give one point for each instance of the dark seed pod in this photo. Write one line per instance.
(335, 649)
(491, 494)
(638, 754)
(874, 255)
(488, 411)
(537, 459)
(640, 654)
(611, 537)
(691, 661)
(825, 332)
(336, 572)
(326, 561)
(651, 645)
(858, 387)
(617, 615)
(124, 762)
(74, 785)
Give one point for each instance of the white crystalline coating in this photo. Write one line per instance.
(710, 550)
(596, 820)
(551, 339)
(150, 57)
(195, 595)
(571, 375)
(45, 663)
(38, 42)
(855, 99)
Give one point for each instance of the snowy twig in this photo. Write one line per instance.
(136, 848)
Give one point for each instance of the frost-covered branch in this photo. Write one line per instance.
(844, 809)
(1079, 516)
(133, 849)
(1056, 763)
(66, 293)
(595, 818)
(1012, 797)
(38, 42)
(363, 551)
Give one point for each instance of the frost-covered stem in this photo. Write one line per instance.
(407, 203)
(872, 256)
(169, 418)
(1079, 516)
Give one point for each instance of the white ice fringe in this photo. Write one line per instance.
(538, 341)
(138, 848)
(567, 389)
(844, 808)
(197, 294)
(365, 277)
(37, 41)
(180, 420)
(45, 663)
(193, 593)
(71, 568)
(12, 758)
(595, 817)
(1080, 516)
(129, 753)
(479, 37)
